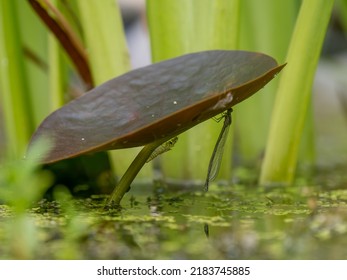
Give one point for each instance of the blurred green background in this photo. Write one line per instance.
(288, 134)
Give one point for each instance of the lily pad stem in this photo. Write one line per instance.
(124, 183)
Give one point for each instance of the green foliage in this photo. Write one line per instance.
(32, 64)
(266, 26)
(21, 185)
(183, 26)
(109, 58)
(34, 81)
(107, 50)
(18, 114)
(293, 98)
(22, 182)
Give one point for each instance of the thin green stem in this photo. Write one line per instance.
(131, 172)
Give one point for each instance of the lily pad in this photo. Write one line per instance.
(159, 101)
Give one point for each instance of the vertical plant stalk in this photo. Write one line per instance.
(109, 57)
(266, 27)
(104, 39)
(57, 77)
(223, 33)
(33, 37)
(14, 88)
(135, 167)
(183, 26)
(169, 25)
(294, 92)
(57, 71)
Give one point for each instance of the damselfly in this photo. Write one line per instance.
(163, 148)
(218, 150)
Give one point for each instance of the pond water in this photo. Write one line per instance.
(242, 221)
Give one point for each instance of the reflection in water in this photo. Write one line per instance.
(206, 230)
(176, 225)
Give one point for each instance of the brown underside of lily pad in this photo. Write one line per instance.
(161, 100)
